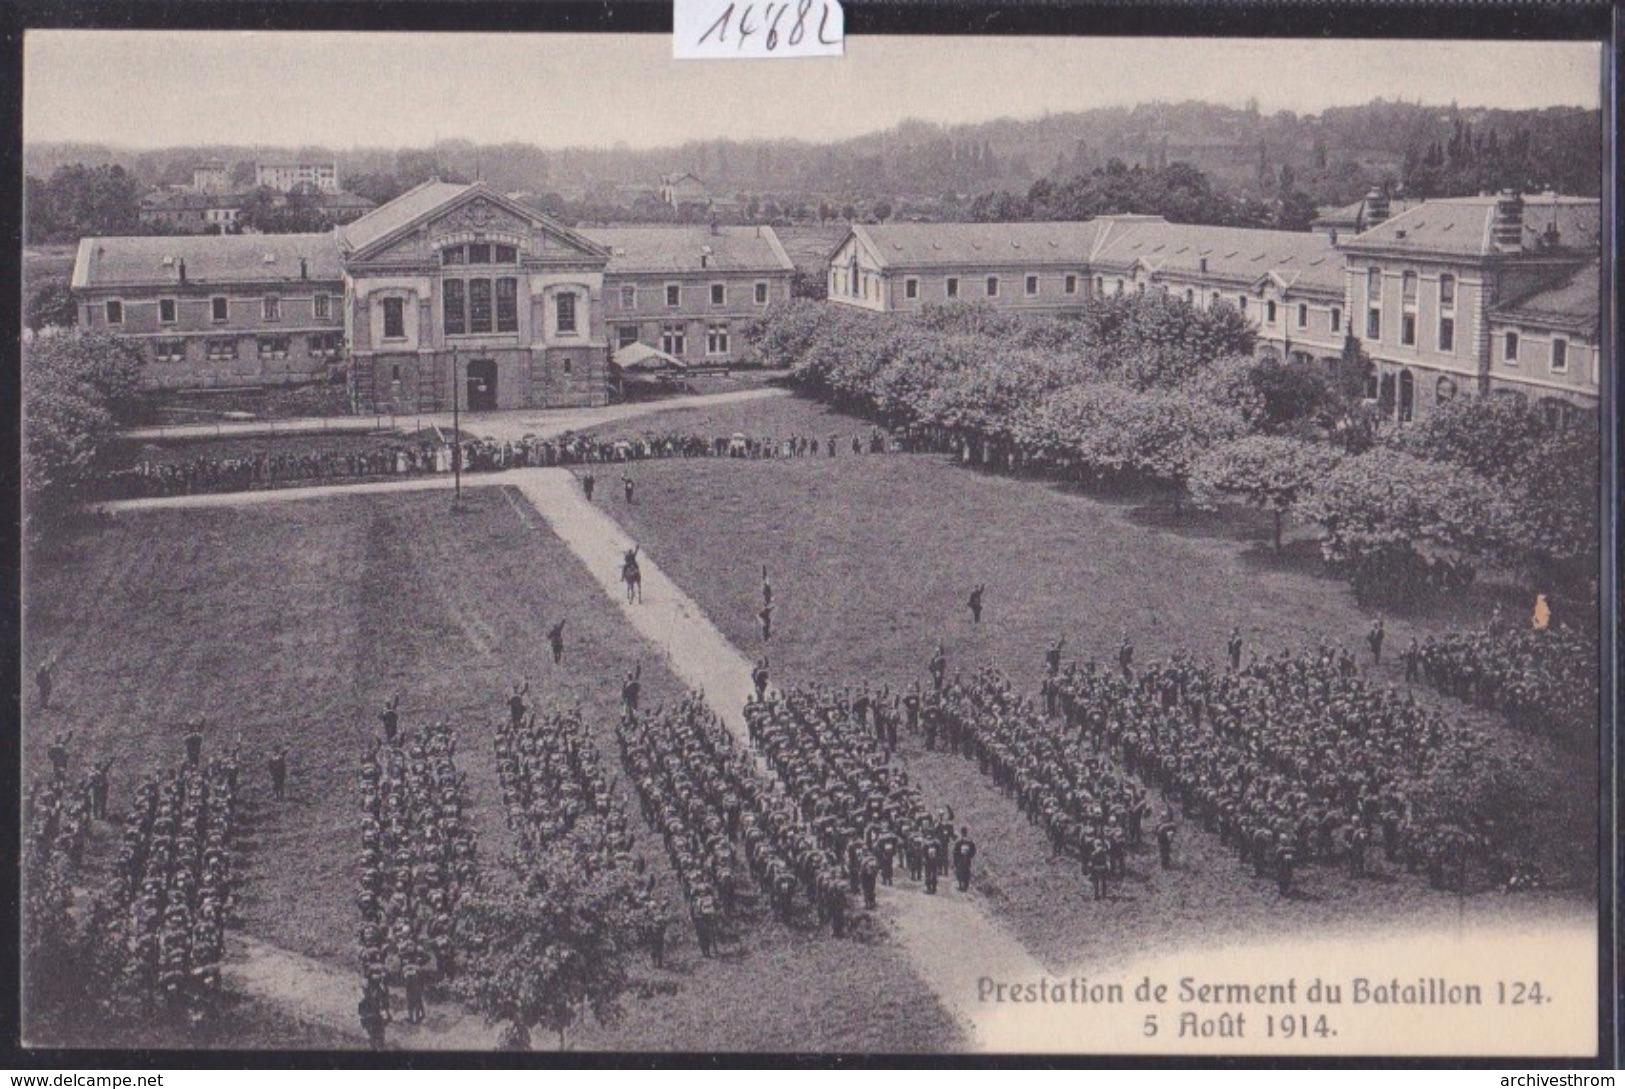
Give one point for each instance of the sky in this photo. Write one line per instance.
(146, 89)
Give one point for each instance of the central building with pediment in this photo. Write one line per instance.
(455, 291)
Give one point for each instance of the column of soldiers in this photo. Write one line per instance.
(712, 803)
(1543, 680)
(417, 861)
(60, 809)
(172, 887)
(557, 798)
(1088, 808)
(1290, 760)
(833, 753)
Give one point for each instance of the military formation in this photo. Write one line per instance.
(1545, 680)
(833, 752)
(1293, 759)
(173, 884)
(417, 862)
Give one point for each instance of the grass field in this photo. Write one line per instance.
(292, 623)
(872, 558)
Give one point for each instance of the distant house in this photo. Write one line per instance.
(286, 177)
(210, 176)
(340, 208)
(684, 191)
(191, 213)
(689, 291)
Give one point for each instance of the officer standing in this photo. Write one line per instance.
(1233, 648)
(279, 773)
(555, 640)
(44, 678)
(1413, 661)
(975, 603)
(588, 482)
(391, 719)
(1165, 839)
(964, 853)
(1374, 641)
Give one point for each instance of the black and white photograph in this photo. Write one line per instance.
(1052, 544)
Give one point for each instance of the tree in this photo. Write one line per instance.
(1270, 472)
(50, 303)
(549, 941)
(77, 386)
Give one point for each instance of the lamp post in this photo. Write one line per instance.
(456, 438)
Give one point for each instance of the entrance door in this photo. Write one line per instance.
(482, 385)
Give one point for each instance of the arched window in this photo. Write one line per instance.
(1407, 396)
(1445, 390)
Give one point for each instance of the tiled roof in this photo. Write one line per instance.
(679, 249)
(1461, 226)
(210, 259)
(1301, 259)
(1574, 300)
(929, 245)
(385, 220)
(180, 202)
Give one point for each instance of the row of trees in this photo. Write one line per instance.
(1148, 389)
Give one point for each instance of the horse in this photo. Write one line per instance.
(632, 576)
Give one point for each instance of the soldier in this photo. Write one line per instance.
(1358, 840)
(869, 871)
(1374, 641)
(413, 981)
(626, 483)
(372, 1021)
(588, 482)
(194, 743)
(44, 678)
(1165, 839)
(631, 688)
(1286, 859)
(759, 678)
(911, 708)
(98, 789)
(767, 589)
(1052, 657)
(1233, 648)
(939, 666)
(516, 703)
(58, 751)
(1100, 867)
(1413, 661)
(931, 864)
(391, 719)
(964, 853)
(279, 773)
(975, 603)
(555, 640)
(837, 911)
(764, 616)
(1125, 657)
(657, 941)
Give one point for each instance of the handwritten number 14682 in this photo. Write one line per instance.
(769, 23)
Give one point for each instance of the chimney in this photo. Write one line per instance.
(1506, 232)
(1376, 207)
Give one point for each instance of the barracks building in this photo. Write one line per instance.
(447, 291)
(1454, 297)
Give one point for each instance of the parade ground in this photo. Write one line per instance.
(288, 618)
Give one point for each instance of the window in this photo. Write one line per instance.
(455, 305)
(1139, 288)
(222, 351)
(1447, 290)
(1190, 296)
(569, 366)
(1510, 347)
(761, 293)
(394, 319)
(1408, 288)
(566, 310)
(1560, 356)
(1032, 285)
(326, 345)
(992, 287)
(1445, 390)
(953, 287)
(1070, 284)
(1100, 285)
(507, 255)
(673, 338)
(1373, 323)
(454, 255)
(507, 304)
(115, 312)
(271, 308)
(1337, 319)
(674, 295)
(625, 335)
(169, 351)
(479, 253)
(1269, 311)
(1241, 303)
(1447, 334)
(1119, 287)
(395, 373)
(911, 288)
(319, 306)
(219, 308)
(1407, 327)
(629, 296)
(166, 311)
(1303, 315)
(273, 347)
(479, 306)
(719, 294)
(716, 339)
